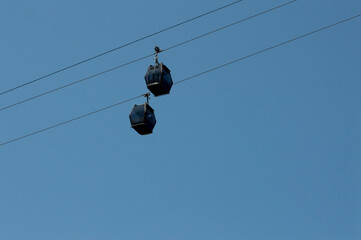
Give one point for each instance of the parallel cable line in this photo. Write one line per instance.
(230, 25)
(120, 47)
(267, 49)
(186, 79)
(71, 120)
(147, 56)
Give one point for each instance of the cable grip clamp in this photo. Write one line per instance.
(157, 51)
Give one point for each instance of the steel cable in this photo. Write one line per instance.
(144, 57)
(186, 79)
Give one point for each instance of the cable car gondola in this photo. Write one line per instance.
(142, 118)
(158, 78)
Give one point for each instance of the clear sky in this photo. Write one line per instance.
(267, 148)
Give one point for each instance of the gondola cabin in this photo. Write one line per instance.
(142, 119)
(158, 79)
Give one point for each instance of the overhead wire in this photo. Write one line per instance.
(120, 47)
(267, 49)
(144, 57)
(186, 79)
(71, 120)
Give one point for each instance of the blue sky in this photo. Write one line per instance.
(267, 148)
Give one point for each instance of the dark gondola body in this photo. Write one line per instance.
(142, 119)
(158, 79)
